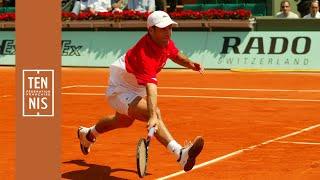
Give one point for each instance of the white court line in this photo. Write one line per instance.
(204, 88)
(4, 96)
(83, 86)
(239, 152)
(85, 94)
(208, 97)
(70, 127)
(297, 142)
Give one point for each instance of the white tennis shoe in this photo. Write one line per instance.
(189, 153)
(84, 142)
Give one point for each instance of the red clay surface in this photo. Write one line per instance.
(231, 110)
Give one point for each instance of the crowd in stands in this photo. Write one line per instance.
(7, 3)
(308, 9)
(96, 6)
(285, 10)
(8, 7)
(314, 11)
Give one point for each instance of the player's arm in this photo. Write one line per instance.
(152, 105)
(184, 61)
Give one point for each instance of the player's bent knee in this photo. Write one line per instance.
(125, 123)
(123, 120)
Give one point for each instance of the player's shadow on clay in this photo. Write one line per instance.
(94, 171)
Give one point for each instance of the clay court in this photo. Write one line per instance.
(256, 125)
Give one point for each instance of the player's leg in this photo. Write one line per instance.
(113, 122)
(87, 136)
(109, 123)
(186, 155)
(120, 103)
(138, 110)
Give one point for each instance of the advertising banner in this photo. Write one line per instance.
(263, 50)
(215, 50)
(7, 48)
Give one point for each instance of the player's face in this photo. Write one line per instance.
(161, 35)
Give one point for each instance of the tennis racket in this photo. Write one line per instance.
(142, 153)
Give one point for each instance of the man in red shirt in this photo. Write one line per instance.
(132, 90)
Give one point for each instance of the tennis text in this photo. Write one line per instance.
(38, 92)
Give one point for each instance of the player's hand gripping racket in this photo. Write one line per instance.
(142, 153)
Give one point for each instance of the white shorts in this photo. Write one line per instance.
(120, 102)
(123, 87)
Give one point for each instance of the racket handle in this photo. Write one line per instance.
(151, 132)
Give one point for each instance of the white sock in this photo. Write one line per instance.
(94, 131)
(174, 148)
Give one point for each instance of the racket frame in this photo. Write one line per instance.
(140, 171)
(146, 142)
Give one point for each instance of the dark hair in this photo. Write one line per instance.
(314, 1)
(284, 1)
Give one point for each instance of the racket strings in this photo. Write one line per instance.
(142, 157)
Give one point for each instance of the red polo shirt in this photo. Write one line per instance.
(146, 59)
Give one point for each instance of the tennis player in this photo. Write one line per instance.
(132, 90)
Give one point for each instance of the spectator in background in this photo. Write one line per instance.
(142, 5)
(120, 5)
(285, 12)
(9, 3)
(303, 7)
(84, 5)
(161, 5)
(173, 5)
(314, 11)
(80, 6)
(96, 6)
(67, 5)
